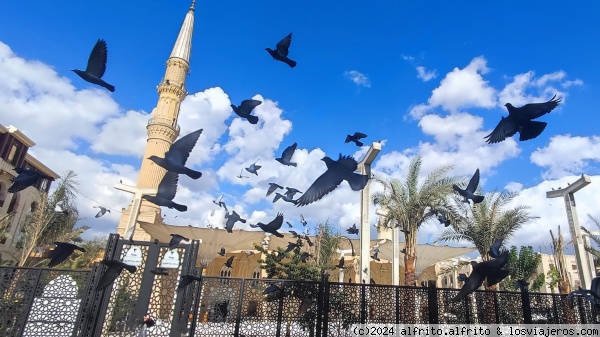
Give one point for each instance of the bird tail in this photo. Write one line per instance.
(532, 130)
(110, 88)
(348, 139)
(242, 220)
(181, 208)
(291, 63)
(477, 199)
(193, 174)
(359, 143)
(13, 188)
(252, 119)
(357, 181)
(131, 269)
(277, 234)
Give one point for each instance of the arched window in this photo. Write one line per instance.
(225, 272)
(256, 273)
(33, 207)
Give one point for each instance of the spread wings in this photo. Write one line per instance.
(97, 61)
(283, 46)
(181, 149)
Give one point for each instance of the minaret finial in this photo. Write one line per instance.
(193, 5)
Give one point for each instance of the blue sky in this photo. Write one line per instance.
(547, 45)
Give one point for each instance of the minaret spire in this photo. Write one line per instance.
(162, 128)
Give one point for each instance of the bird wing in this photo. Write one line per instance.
(168, 186)
(348, 162)
(230, 222)
(535, 110)
(111, 274)
(181, 149)
(495, 249)
(289, 152)
(473, 283)
(276, 223)
(505, 128)
(473, 182)
(229, 261)
(359, 135)
(249, 105)
(97, 60)
(59, 254)
(99, 214)
(283, 46)
(326, 183)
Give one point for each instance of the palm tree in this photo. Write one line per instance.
(487, 222)
(406, 204)
(595, 238)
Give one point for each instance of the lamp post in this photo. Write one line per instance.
(138, 193)
(342, 253)
(364, 167)
(584, 260)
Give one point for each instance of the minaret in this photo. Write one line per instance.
(162, 127)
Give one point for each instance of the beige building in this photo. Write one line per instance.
(571, 266)
(14, 146)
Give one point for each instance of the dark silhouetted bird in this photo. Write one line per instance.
(273, 226)
(245, 110)
(229, 262)
(287, 155)
(222, 251)
(304, 305)
(282, 50)
(289, 224)
(285, 198)
(96, 66)
(375, 256)
(462, 277)
(341, 263)
(160, 271)
(114, 270)
(307, 238)
(186, 280)
(304, 256)
(175, 240)
(302, 221)
(469, 192)
(522, 120)
(494, 251)
(443, 219)
(492, 270)
(102, 211)
(167, 188)
(178, 154)
(521, 284)
(355, 138)
(295, 234)
(253, 168)
(291, 192)
(242, 176)
(352, 230)
(221, 203)
(231, 220)
(24, 179)
(272, 188)
(291, 246)
(271, 289)
(62, 251)
(337, 171)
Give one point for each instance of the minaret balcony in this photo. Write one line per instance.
(172, 123)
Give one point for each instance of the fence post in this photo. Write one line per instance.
(326, 292)
(526, 305)
(468, 310)
(557, 319)
(280, 309)
(397, 304)
(432, 302)
(496, 307)
(363, 303)
(238, 314)
(197, 302)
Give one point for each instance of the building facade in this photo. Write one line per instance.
(14, 146)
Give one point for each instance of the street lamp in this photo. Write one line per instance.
(584, 260)
(364, 167)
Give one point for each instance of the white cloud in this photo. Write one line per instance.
(513, 186)
(460, 89)
(525, 88)
(425, 75)
(358, 78)
(566, 154)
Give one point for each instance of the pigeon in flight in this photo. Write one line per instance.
(222, 252)
(443, 219)
(186, 280)
(337, 171)
(24, 179)
(160, 271)
(291, 246)
(375, 256)
(96, 66)
(469, 192)
(231, 220)
(305, 305)
(304, 257)
(245, 110)
(253, 168)
(242, 176)
(273, 226)
(587, 295)
(166, 192)
(287, 155)
(521, 284)
(114, 270)
(492, 270)
(229, 262)
(290, 192)
(307, 238)
(289, 224)
(282, 50)
(175, 240)
(302, 221)
(284, 197)
(522, 120)
(462, 277)
(352, 230)
(62, 251)
(355, 138)
(272, 188)
(494, 251)
(341, 263)
(271, 289)
(102, 211)
(221, 203)
(295, 234)
(178, 154)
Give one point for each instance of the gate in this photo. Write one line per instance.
(119, 309)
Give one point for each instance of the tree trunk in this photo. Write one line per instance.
(410, 258)
(564, 287)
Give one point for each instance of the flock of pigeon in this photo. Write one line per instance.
(519, 120)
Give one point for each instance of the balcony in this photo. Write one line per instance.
(164, 121)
